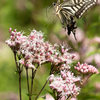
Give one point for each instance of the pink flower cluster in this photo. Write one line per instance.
(85, 68)
(64, 84)
(16, 39)
(34, 50)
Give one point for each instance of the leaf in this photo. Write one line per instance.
(40, 98)
(16, 72)
(44, 97)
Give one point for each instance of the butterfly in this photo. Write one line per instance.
(68, 10)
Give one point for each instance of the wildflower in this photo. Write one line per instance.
(32, 50)
(85, 68)
(64, 84)
(16, 39)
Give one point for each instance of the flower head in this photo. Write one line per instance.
(34, 50)
(16, 39)
(64, 84)
(85, 68)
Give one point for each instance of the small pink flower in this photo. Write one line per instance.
(22, 61)
(98, 1)
(73, 99)
(10, 30)
(49, 97)
(65, 84)
(85, 68)
(14, 30)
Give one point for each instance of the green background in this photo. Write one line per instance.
(26, 15)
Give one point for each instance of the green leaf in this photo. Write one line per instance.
(40, 98)
(16, 72)
(44, 97)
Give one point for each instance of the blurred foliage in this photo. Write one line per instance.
(31, 14)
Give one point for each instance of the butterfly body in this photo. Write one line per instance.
(69, 9)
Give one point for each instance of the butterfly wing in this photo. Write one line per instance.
(84, 6)
(77, 7)
(68, 10)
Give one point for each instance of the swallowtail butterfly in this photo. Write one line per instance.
(69, 9)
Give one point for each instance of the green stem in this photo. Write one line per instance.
(32, 81)
(31, 84)
(41, 89)
(19, 71)
(43, 86)
(34, 73)
(27, 82)
(85, 80)
(16, 61)
(20, 85)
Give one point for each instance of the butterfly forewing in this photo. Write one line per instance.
(77, 7)
(69, 9)
(84, 6)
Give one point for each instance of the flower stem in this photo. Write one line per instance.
(85, 80)
(31, 84)
(19, 72)
(41, 89)
(34, 73)
(27, 79)
(16, 61)
(20, 85)
(27, 82)
(32, 81)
